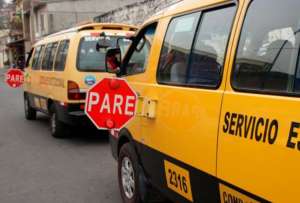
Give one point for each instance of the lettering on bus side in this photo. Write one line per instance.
(260, 129)
(229, 195)
(251, 127)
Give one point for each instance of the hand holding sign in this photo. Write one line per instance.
(111, 104)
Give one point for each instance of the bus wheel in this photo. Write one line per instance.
(128, 175)
(58, 128)
(30, 113)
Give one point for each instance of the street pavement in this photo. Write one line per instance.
(35, 167)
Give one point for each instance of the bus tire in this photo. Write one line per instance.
(128, 175)
(58, 129)
(30, 113)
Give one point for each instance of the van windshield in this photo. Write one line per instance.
(90, 59)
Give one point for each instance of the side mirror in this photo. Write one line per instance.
(113, 60)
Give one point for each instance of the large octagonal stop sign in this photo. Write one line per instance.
(111, 103)
(14, 78)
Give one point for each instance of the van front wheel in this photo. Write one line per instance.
(128, 175)
(58, 128)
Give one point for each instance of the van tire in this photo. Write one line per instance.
(143, 192)
(128, 156)
(58, 129)
(30, 113)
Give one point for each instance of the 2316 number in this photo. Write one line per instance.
(178, 181)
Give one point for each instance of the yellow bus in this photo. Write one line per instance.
(63, 66)
(218, 116)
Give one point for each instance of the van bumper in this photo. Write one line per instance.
(72, 115)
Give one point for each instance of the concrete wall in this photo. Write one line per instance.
(65, 14)
(135, 13)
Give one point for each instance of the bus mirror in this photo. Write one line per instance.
(113, 60)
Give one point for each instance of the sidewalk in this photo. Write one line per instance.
(3, 71)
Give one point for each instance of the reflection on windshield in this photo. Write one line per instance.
(268, 52)
(89, 59)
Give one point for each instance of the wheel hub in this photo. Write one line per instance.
(127, 176)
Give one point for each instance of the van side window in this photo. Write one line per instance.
(193, 57)
(140, 51)
(176, 49)
(46, 59)
(61, 55)
(28, 58)
(52, 55)
(209, 50)
(267, 58)
(41, 56)
(35, 60)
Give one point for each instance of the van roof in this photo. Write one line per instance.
(185, 6)
(97, 26)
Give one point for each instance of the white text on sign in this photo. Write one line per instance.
(115, 107)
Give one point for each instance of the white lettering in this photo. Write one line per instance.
(129, 104)
(93, 100)
(105, 104)
(7, 77)
(118, 101)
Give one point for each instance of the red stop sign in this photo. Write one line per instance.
(111, 103)
(14, 78)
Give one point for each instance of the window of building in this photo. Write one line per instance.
(195, 47)
(267, 58)
(42, 16)
(61, 56)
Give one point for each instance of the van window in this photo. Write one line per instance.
(176, 49)
(36, 56)
(46, 59)
(140, 53)
(208, 53)
(196, 58)
(267, 58)
(29, 58)
(89, 59)
(61, 56)
(41, 56)
(52, 55)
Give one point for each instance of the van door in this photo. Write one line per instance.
(258, 148)
(181, 112)
(137, 63)
(33, 76)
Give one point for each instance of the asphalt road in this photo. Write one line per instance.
(34, 167)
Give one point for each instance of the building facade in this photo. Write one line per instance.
(4, 54)
(135, 13)
(44, 17)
